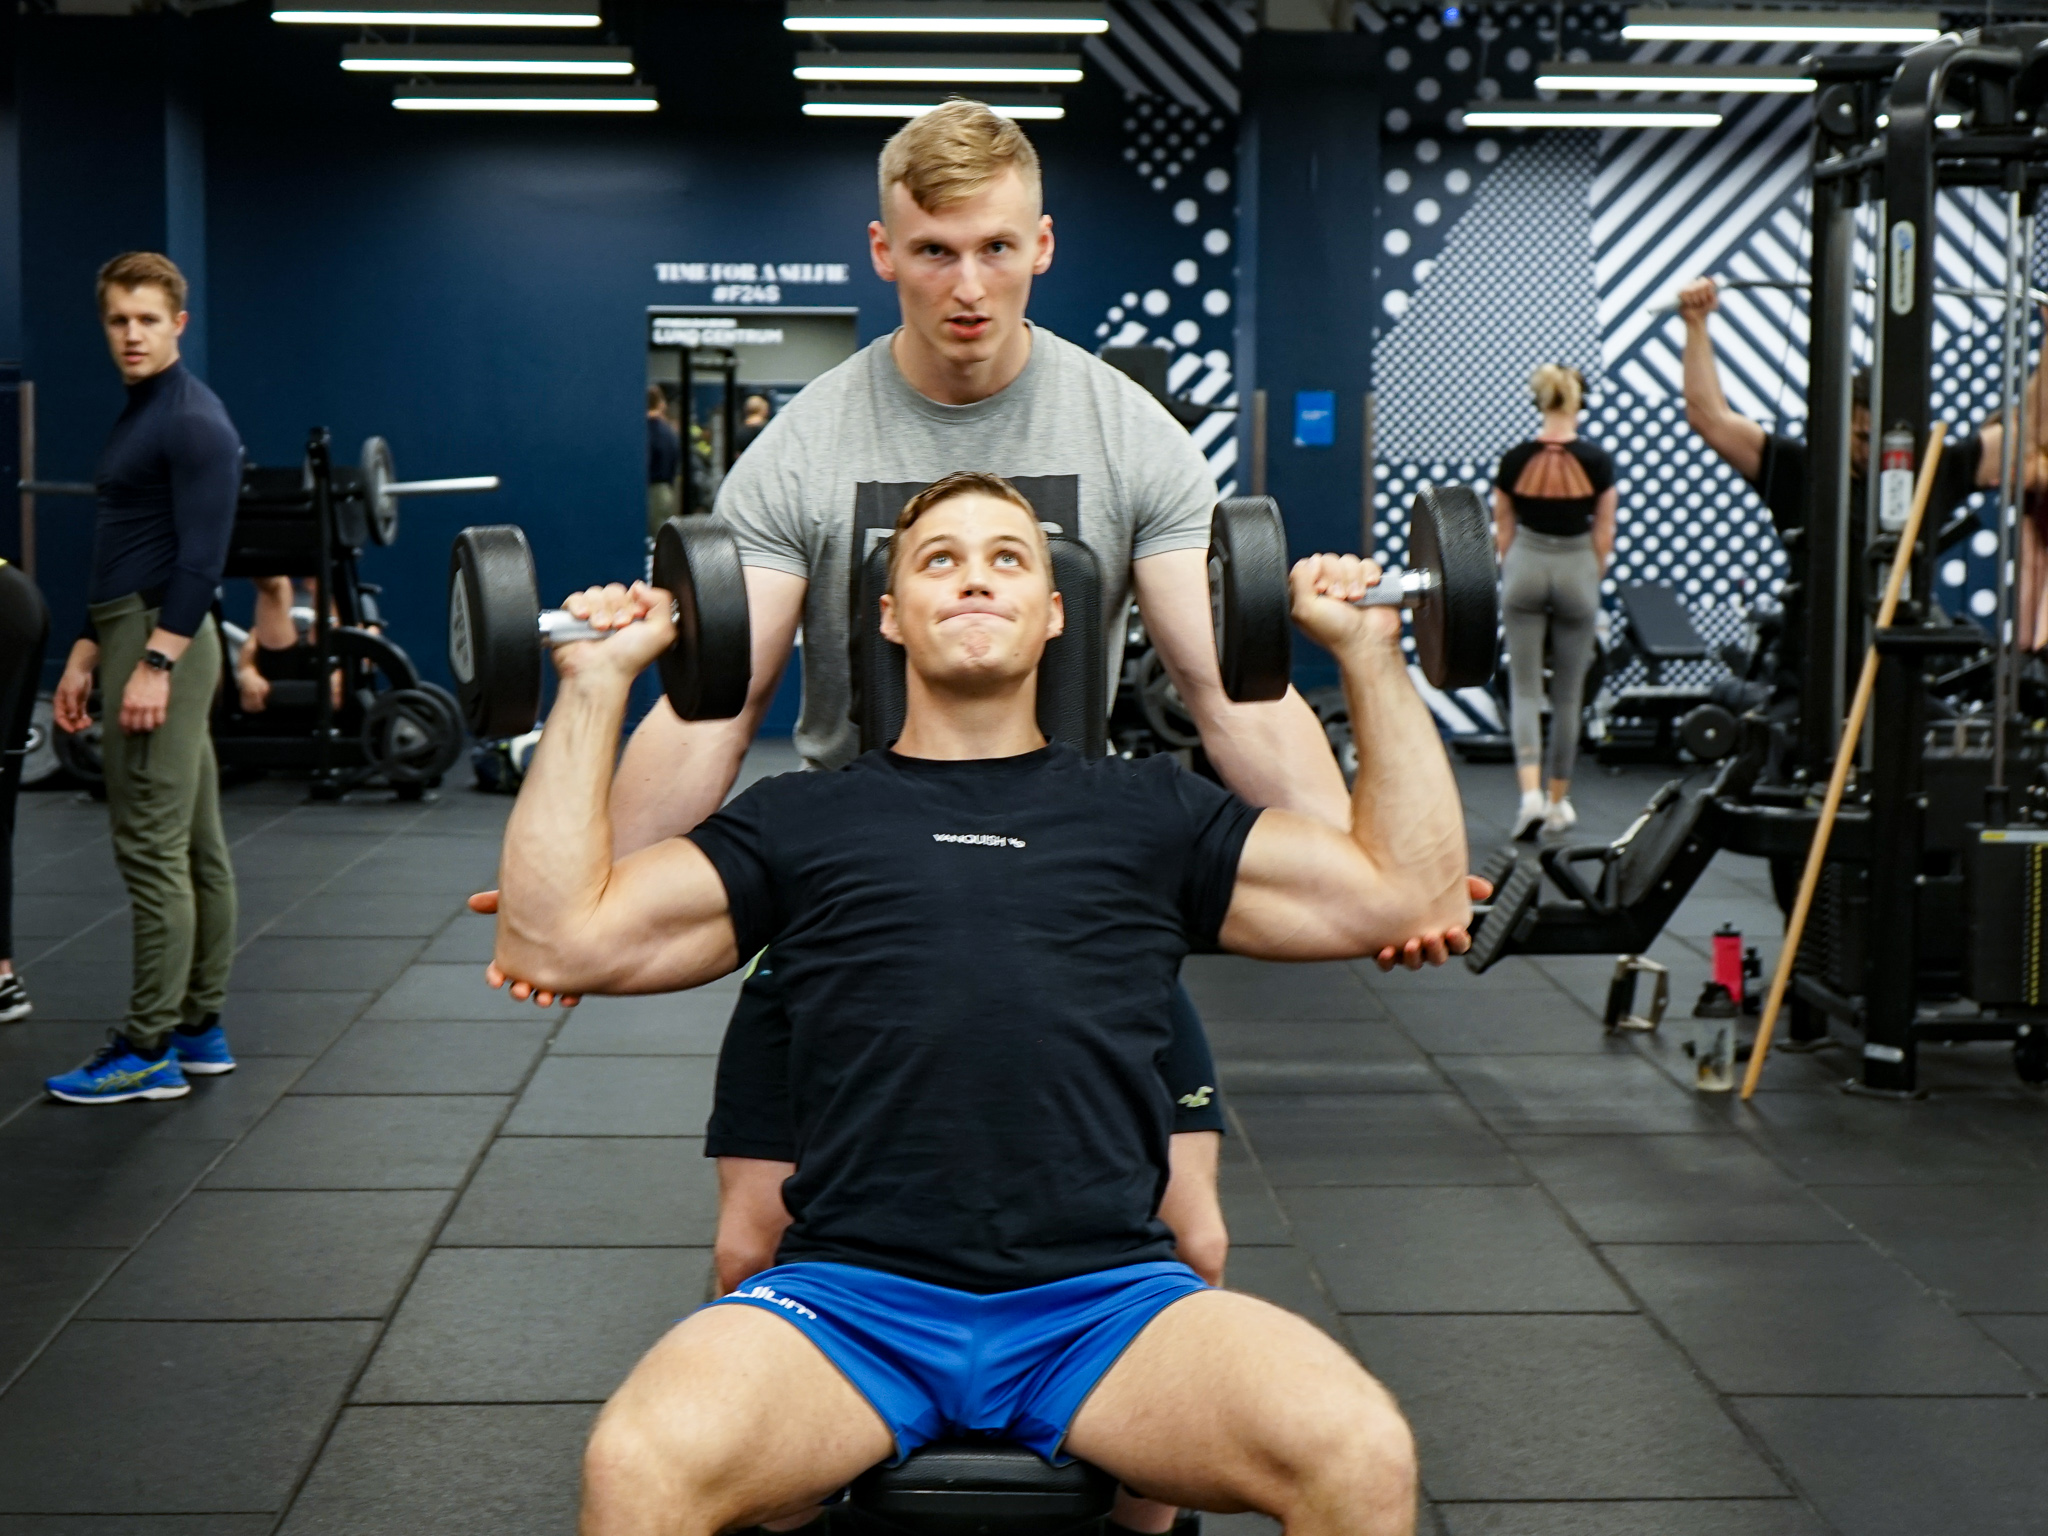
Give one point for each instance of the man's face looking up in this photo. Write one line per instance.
(971, 602)
(963, 273)
(142, 330)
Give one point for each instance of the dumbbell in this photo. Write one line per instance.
(1449, 592)
(496, 626)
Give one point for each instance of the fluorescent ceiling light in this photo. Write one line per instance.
(462, 59)
(1674, 77)
(1543, 114)
(398, 13)
(941, 68)
(1782, 26)
(526, 98)
(1045, 108)
(961, 16)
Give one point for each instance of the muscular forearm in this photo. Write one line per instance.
(558, 843)
(1275, 756)
(1405, 811)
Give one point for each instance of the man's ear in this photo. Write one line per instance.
(879, 252)
(1056, 625)
(178, 324)
(890, 631)
(1043, 259)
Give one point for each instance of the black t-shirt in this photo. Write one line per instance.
(1786, 464)
(976, 958)
(1563, 516)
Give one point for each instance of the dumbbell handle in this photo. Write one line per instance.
(1397, 589)
(558, 626)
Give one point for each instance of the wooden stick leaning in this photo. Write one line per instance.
(1845, 755)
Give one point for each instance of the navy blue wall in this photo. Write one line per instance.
(472, 288)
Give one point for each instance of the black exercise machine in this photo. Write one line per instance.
(1932, 910)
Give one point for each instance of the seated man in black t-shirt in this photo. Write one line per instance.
(977, 935)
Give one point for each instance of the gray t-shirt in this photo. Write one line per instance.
(1092, 450)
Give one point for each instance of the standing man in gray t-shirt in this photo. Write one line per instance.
(968, 383)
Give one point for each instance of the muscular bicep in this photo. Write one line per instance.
(1737, 439)
(1306, 891)
(1173, 599)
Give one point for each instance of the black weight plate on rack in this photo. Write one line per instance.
(1457, 625)
(494, 630)
(411, 736)
(1708, 732)
(708, 671)
(1248, 597)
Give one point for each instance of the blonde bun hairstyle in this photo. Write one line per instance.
(1557, 388)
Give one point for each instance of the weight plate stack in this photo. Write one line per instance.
(494, 630)
(378, 472)
(1457, 627)
(709, 670)
(1248, 595)
(411, 736)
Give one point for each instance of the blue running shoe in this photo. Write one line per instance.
(116, 1074)
(205, 1054)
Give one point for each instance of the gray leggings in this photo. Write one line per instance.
(1554, 582)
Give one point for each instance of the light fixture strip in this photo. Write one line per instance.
(399, 17)
(1588, 117)
(941, 68)
(527, 98)
(1696, 80)
(1041, 113)
(1817, 26)
(459, 59)
(1056, 19)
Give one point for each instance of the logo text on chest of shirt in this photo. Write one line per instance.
(979, 839)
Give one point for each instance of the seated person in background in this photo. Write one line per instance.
(272, 629)
(977, 936)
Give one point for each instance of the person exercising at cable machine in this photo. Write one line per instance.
(966, 378)
(978, 934)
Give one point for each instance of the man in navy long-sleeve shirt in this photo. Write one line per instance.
(167, 487)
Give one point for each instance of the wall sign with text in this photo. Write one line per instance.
(752, 282)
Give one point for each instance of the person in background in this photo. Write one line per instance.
(754, 413)
(167, 486)
(664, 460)
(24, 633)
(272, 629)
(1554, 505)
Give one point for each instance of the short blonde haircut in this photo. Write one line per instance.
(143, 269)
(963, 482)
(949, 154)
(1557, 388)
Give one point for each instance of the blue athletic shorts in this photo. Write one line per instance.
(937, 1363)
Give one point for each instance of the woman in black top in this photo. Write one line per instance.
(1554, 504)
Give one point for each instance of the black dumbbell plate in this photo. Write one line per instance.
(707, 672)
(494, 630)
(1248, 593)
(1457, 628)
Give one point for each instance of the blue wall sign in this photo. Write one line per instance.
(1315, 418)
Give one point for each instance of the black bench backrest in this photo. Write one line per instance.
(1073, 678)
(1659, 624)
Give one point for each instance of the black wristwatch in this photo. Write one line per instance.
(157, 660)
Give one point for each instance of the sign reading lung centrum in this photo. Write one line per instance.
(752, 282)
(709, 331)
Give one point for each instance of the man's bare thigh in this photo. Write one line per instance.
(1222, 1401)
(737, 1408)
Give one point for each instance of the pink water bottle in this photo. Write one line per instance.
(1728, 959)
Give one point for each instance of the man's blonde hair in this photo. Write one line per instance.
(952, 152)
(963, 482)
(142, 269)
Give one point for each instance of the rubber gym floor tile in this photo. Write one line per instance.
(172, 1397)
(1230, 987)
(1448, 1250)
(468, 940)
(323, 965)
(2024, 1338)
(509, 1470)
(1784, 1318)
(288, 1023)
(1910, 1466)
(1395, 1138)
(672, 1024)
(1841, 1139)
(1541, 1408)
(1312, 1042)
(1580, 1095)
(1664, 1517)
(1676, 1189)
(54, 1199)
(226, 1255)
(430, 1056)
(451, 992)
(615, 1096)
(1243, 1076)
(443, 866)
(1284, 1277)
(391, 915)
(77, 988)
(39, 1288)
(1982, 1248)
(56, 916)
(1249, 1208)
(534, 1325)
(314, 1142)
(1453, 979)
(136, 1525)
(598, 1192)
(1537, 1021)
